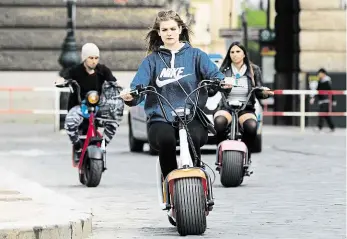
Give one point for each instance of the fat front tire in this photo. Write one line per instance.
(232, 171)
(93, 171)
(190, 206)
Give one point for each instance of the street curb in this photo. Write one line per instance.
(73, 230)
(57, 216)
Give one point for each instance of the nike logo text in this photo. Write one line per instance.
(173, 75)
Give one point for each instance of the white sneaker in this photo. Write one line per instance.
(317, 130)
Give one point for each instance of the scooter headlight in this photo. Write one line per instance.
(93, 97)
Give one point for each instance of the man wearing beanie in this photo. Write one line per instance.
(91, 75)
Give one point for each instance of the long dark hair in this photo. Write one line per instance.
(154, 40)
(227, 59)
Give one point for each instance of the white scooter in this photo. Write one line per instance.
(189, 186)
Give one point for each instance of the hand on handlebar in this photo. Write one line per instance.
(126, 95)
(218, 83)
(267, 91)
(60, 82)
(225, 85)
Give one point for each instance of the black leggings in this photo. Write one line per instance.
(325, 108)
(162, 137)
(249, 131)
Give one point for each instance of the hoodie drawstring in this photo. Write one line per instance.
(172, 62)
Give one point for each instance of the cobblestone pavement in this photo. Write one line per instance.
(298, 189)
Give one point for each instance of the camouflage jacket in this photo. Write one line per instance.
(111, 106)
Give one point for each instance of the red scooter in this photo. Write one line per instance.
(92, 161)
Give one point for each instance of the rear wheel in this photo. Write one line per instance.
(153, 151)
(232, 171)
(190, 206)
(257, 148)
(82, 178)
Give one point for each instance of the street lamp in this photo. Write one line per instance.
(244, 25)
(268, 15)
(69, 56)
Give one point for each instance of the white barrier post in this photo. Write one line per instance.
(56, 110)
(302, 112)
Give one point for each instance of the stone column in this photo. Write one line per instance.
(218, 13)
(322, 36)
(323, 45)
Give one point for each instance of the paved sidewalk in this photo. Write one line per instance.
(29, 210)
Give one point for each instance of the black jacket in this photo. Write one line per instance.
(324, 84)
(257, 80)
(79, 73)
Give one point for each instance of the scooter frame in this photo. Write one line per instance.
(93, 137)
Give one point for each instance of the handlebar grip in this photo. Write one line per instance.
(60, 85)
(66, 83)
(134, 93)
(138, 89)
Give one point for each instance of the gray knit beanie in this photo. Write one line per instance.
(89, 49)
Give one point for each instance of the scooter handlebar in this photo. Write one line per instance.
(69, 83)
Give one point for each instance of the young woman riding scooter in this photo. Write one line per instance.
(236, 64)
(175, 69)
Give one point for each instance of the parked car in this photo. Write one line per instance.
(216, 59)
(137, 124)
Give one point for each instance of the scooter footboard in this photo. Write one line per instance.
(232, 145)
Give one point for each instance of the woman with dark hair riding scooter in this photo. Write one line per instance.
(237, 67)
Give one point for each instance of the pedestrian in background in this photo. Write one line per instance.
(324, 101)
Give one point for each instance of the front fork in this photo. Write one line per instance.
(103, 148)
(247, 165)
(210, 199)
